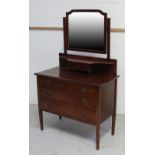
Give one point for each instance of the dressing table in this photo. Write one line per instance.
(82, 88)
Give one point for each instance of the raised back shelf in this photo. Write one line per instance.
(85, 63)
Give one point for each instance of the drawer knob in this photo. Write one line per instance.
(83, 101)
(83, 90)
(50, 105)
(47, 93)
(48, 82)
(83, 115)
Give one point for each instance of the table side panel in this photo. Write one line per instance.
(107, 100)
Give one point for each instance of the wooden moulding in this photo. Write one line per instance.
(45, 28)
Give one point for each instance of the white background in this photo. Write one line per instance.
(45, 45)
(14, 62)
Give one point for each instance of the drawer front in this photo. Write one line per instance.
(68, 97)
(78, 66)
(68, 110)
(67, 86)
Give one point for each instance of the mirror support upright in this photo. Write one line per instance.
(108, 38)
(65, 33)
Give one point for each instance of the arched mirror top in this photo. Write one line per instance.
(86, 31)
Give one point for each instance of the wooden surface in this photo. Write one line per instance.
(47, 28)
(94, 80)
(68, 110)
(89, 99)
(81, 87)
(85, 63)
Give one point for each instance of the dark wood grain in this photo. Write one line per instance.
(69, 110)
(90, 99)
(107, 100)
(75, 98)
(65, 35)
(85, 63)
(95, 80)
(108, 38)
(41, 118)
(70, 87)
(82, 88)
(114, 109)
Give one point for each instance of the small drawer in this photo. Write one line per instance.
(68, 110)
(67, 86)
(68, 97)
(78, 66)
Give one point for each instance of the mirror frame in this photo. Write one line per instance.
(66, 32)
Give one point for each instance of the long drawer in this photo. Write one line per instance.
(67, 86)
(68, 97)
(68, 110)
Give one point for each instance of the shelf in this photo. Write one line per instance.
(86, 60)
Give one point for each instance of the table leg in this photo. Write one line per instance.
(113, 123)
(41, 119)
(97, 136)
(114, 110)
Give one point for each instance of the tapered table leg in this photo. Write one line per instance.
(97, 136)
(60, 117)
(41, 119)
(114, 110)
(113, 124)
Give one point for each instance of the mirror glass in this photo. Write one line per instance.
(86, 31)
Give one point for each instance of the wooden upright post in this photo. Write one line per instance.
(64, 31)
(108, 38)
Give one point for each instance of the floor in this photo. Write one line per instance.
(70, 137)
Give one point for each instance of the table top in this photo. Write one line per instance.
(97, 79)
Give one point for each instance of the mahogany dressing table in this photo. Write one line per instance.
(81, 87)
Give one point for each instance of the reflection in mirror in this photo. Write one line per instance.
(86, 31)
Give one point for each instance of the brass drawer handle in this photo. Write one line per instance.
(83, 115)
(83, 90)
(83, 101)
